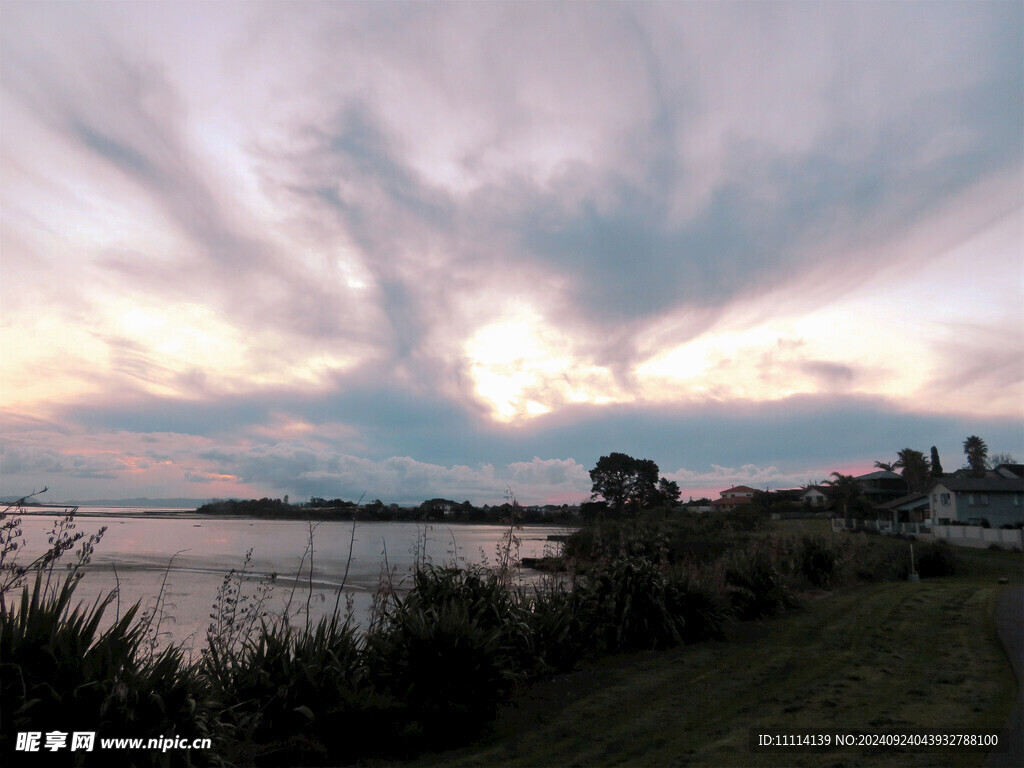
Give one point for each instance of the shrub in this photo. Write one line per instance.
(936, 560)
(57, 668)
(880, 559)
(756, 588)
(626, 607)
(817, 562)
(700, 610)
(449, 651)
(556, 626)
(291, 693)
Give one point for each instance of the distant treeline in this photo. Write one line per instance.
(430, 510)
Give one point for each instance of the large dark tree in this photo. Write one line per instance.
(977, 454)
(936, 464)
(645, 487)
(669, 491)
(625, 482)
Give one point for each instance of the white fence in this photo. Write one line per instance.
(976, 536)
(882, 526)
(958, 535)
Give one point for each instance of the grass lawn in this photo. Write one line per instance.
(816, 526)
(881, 658)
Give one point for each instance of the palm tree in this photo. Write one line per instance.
(847, 489)
(977, 453)
(915, 468)
(886, 466)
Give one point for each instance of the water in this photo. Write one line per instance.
(188, 556)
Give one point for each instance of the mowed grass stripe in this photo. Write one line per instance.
(885, 657)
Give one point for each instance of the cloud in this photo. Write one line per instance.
(38, 460)
(832, 374)
(467, 235)
(124, 135)
(398, 478)
(413, 454)
(984, 365)
(592, 224)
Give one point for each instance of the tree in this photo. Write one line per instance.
(846, 489)
(669, 491)
(1001, 458)
(915, 469)
(977, 453)
(936, 464)
(624, 481)
(886, 466)
(645, 487)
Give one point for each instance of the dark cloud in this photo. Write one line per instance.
(385, 421)
(35, 460)
(830, 374)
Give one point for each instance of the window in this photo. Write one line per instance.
(944, 497)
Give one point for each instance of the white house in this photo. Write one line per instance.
(814, 496)
(995, 499)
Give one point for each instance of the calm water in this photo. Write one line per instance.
(141, 549)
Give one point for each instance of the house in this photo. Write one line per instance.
(993, 500)
(911, 508)
(881, 486)
(1000, 470)
(814, 496)
(1009, 470)
(737, 496)
(787, 496)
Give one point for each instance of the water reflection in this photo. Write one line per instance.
(189, 557)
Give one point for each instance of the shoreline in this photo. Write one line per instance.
(192, 514)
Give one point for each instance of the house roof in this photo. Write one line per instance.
(1008, 470)
(737, 502)
(981, 484)
(882, 474)
(910, 501)
(739, 488)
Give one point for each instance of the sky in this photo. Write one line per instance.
(411, 250)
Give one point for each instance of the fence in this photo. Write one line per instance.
(882, 526)
(976, 536)
(957, 535)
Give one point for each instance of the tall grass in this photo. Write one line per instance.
(60, 672)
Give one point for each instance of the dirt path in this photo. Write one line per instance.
(1010, 625)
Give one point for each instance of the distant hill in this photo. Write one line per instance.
(136, 502)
